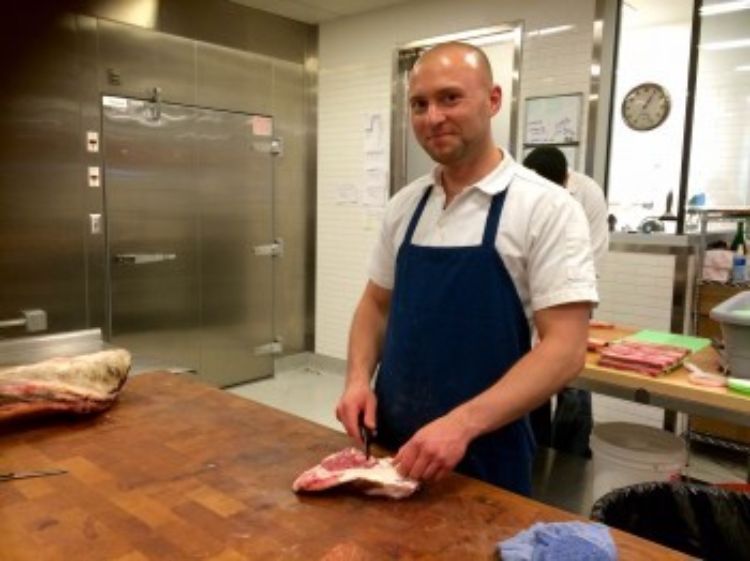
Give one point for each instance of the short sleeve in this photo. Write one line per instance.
(560, 260)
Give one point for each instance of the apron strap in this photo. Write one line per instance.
(416, 216)
(493, 219)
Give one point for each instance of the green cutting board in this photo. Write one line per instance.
(695, 344)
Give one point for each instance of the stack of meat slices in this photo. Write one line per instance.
(648, 358)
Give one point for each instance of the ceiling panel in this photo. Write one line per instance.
(317, 11)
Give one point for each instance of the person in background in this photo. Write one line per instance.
(469, 257)
(551, 163)
(570, 429)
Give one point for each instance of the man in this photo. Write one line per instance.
(551, 163)
(468, 256)
(570, 429)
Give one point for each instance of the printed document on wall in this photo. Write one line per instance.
(375, 186)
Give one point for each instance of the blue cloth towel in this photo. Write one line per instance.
(560, 541)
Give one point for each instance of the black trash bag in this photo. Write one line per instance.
(702, 521)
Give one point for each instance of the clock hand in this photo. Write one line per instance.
(648, 102)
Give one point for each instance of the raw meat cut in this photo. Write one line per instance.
(648, 358)
(595, 344)
(373, 476)
(79, 384)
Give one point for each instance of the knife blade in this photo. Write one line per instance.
(13, 475)
(366, 434)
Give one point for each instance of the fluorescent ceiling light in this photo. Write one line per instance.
(490, 39)
(550, 30)
(725, 45)
(468, 36)
(743, 68)
(725, 7)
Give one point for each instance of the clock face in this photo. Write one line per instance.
(646, 106)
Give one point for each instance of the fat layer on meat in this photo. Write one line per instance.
(80, 384)
(371, 476)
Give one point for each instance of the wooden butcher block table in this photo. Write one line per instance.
(179, 470)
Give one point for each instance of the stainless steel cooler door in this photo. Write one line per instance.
(234, 176)
(187, 198)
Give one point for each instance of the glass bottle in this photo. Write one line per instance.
(739, 239)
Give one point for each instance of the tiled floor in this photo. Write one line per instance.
(304, 392)
(312, 394)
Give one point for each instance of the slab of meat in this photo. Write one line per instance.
(373, 476)
(80, 384)
(648, 358)
(599, 324)
(595, 344)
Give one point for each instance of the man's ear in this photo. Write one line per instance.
(496, 99)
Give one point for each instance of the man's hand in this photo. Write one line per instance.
(357, 398)
(435, 449)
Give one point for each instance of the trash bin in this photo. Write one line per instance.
(700, 520)
(626, 454)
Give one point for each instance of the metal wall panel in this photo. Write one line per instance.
(42, 219)
(134, 61)
(232, 79)
(90, 120)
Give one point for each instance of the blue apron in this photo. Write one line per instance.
(456, 325)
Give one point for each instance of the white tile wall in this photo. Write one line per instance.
(355, 79)
(635, 289)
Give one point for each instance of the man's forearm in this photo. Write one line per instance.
(366, 339)
(547, 368)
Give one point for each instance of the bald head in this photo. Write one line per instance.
(456, 54)
(452, 100)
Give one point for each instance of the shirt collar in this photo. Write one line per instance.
(492, 183)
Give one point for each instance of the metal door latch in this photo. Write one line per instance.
(275, 249)
(277, 147)
(143, 258)
(32, 320)
(272, 348)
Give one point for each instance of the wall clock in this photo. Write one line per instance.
(646, 106)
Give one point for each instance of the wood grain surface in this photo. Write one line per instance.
(179, 470)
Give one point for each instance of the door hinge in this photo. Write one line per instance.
(275, 249)
(277, 147)
(272, 348)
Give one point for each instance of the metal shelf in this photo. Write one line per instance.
(706, 215)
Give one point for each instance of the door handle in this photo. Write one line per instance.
(32, 320)
(143, 258)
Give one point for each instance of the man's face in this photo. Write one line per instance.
(452, 101)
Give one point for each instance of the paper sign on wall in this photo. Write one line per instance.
(347, 194)
(375, 186)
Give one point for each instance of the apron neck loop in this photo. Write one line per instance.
(417, 214)
(493, 219)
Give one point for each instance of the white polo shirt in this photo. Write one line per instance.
(543, 236)
(591, 197)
